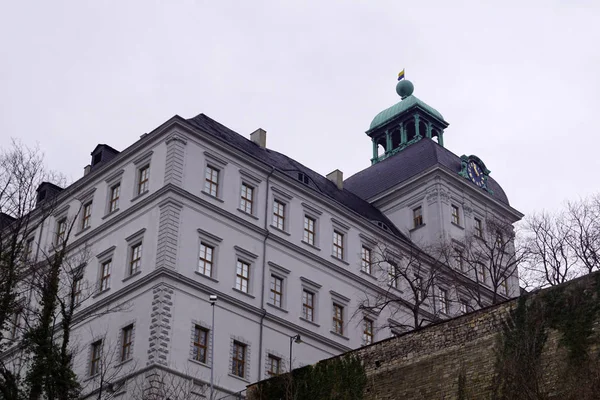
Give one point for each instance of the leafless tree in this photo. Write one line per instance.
(484, 262)
(406, 279)
(159, 383)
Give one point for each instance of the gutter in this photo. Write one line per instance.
(262, 286)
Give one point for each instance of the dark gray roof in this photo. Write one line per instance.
(293, 168)
(411, 161)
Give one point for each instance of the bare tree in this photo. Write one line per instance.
(488, 257)
(159, 383)
(410, 271)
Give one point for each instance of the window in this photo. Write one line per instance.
(338, 319)
(126, 342)
(86, 216)
(77, 288)
(455, 216)
(276, 290)
(367, 331)
(96, 357)
(478, 228)
(459, 259)
(115, 192)
(443, 297)
(309, 230)
(205, 262)
(61, 231)
(308, 305)
(105, 275)
(135, 261)
(247, 199)
(200, 345)
(418, 283)
(238, 367)
(16, 324)
(417, 217)
(366, 260)
(274, 365)
(499, 239)
(393, 275)
(143, 175)
(338, 245)
(28, 249)
(278, 215)
(242, 276)
(504, 285)
(480, 271)
(463, 307)
(211, 184)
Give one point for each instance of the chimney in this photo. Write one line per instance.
(87, 169)
(337, 177)
(259, 137)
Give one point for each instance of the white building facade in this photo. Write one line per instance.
(193, 209)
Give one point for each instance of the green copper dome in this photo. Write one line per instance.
(401, 107)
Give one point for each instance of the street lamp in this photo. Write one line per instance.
(213, 299)
(295, 338)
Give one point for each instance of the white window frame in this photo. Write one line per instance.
(132, 241)
(215, 162)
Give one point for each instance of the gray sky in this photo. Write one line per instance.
(518, 83)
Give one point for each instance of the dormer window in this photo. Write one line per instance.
(302, 177)
(97, 158)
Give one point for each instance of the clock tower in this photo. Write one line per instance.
(426, 190)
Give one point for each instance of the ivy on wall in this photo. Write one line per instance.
(341, 378)
(572, 311)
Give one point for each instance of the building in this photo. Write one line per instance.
(194, 209)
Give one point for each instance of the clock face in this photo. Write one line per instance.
(476, 174)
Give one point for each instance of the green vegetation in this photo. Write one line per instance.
(341, 378)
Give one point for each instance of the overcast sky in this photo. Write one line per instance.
(519, 84)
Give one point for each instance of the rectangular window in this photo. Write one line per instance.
(309, 230)
(200, 344)
(463, 307)
(211, 184)
(86, 216)
(61, 231)
(308, 305)
(274, 365)
(418, 283)
(105, 275)
(143, 176)
(443, 297)
(238, 366)
(126, 342)
(278, 214)
(417, 217)
(480, 270)
(205, 262)
(247, 199)
(338, 319)
(16, 324)
(504, 285)
(367, 331)
(276, 290)
(394, 274)
(459, 259)
(78, 288)
(478, 228)
(242, 277)
(455, 216)
(338, 245)
(135, 261)
(96, 357)
(115, 193)
(28, 249)
(366, 260)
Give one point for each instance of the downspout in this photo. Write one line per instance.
(262, 285)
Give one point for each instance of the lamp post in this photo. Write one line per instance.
(213, 300)
(295, 338)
